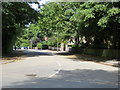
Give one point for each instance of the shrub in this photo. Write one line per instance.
(24, 45)
(39, 45)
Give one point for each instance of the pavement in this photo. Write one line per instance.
(6, 61)
(97, 59)
(44, 69)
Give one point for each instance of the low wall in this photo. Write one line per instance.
(110, 53)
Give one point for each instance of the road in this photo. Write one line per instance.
(44, 69)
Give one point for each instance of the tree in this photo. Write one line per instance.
(15, 16)
(96, 22)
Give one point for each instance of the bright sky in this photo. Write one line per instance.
(35, 6)
(43, 1)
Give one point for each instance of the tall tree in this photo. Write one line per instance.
(15, 16)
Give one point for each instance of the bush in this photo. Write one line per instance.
(24, 45)
(39, 45)
(44, 46)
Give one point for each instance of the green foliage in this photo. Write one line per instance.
(24, 45)
(39, 45)
(15, 15)
(91, 19)
(103, 22)
(113, 11)
(97, 22)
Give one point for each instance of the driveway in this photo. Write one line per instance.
(44, 69)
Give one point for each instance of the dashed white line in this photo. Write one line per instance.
(56, 71)
(59, 64)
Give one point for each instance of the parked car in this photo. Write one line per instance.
(18, 47)
(25, 47)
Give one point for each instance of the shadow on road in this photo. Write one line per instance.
(36, 53)
(27, 53)
(64, 53)
(84, 78)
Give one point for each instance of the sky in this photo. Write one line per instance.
(35, 6)
(43, 1)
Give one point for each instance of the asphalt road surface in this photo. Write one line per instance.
(44, 69)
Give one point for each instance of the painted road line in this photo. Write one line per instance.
(56, 71)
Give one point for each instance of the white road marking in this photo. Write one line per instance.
(59, 64)
(56, 71)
